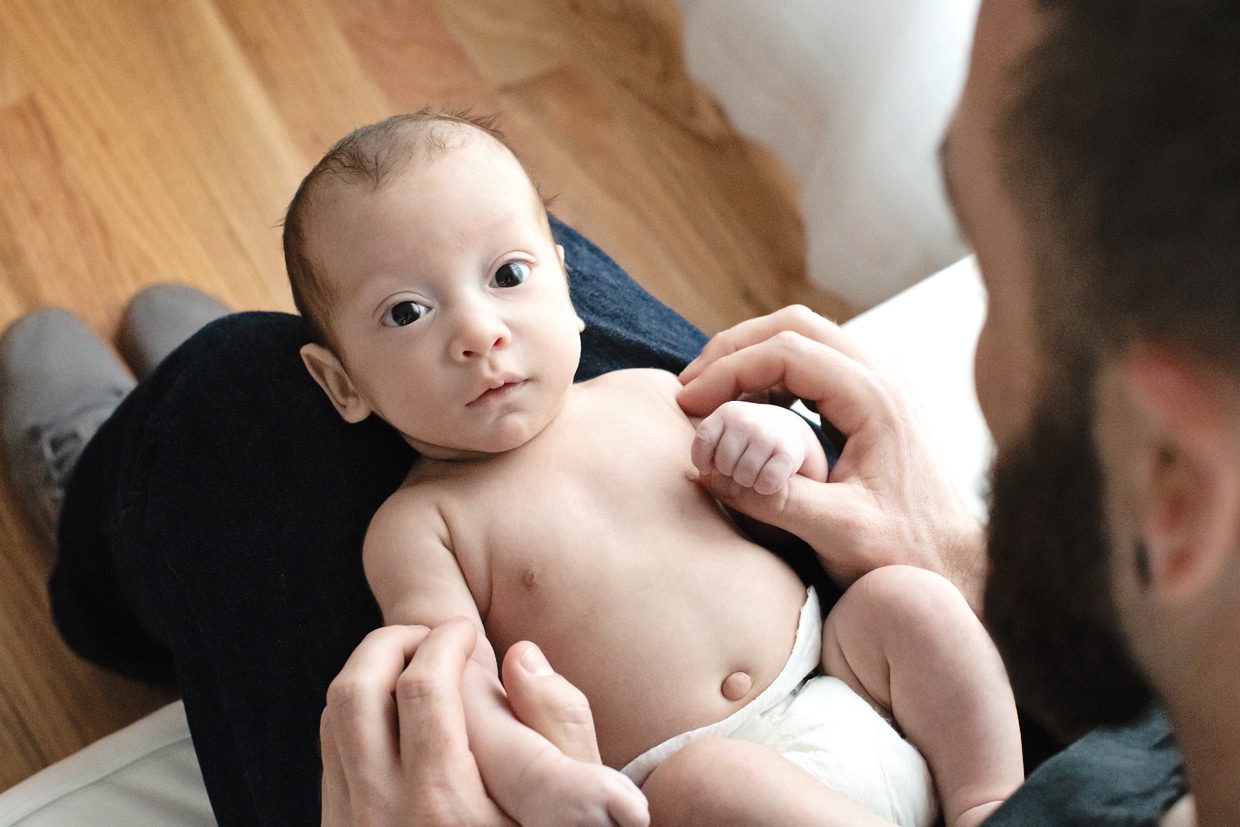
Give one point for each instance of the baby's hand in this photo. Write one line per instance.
(758, 446)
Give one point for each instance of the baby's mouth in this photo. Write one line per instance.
(498, 392)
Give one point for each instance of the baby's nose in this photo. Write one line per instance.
(478, 336)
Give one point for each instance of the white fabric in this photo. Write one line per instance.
(806, 653)
(853, 97)
(829, 731)
(825, 728)
(147, 774)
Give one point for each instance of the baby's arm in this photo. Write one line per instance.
(758, 446)
(417, 580)
(905, 640)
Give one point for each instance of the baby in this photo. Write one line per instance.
(571, 515)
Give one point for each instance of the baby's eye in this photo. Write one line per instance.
(510, 274)
(403, 313)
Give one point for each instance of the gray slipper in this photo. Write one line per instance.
(58, 383)
(158, 319)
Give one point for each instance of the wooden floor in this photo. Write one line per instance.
(159, 140)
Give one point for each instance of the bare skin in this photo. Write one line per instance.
(573, 515)
(675, 636)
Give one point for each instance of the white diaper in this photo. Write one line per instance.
(825, 728)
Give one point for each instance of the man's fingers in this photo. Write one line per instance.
(846, 392)
(439, 768)
(830, 516)
(359, 719)
(335, 788)
(357, 730)
(547, 703)
(795, 319)
(429, 708)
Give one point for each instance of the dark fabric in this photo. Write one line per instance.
(212, 529)
(1123, 777)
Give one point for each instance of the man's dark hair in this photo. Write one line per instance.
(1122, 149)
(367, 157)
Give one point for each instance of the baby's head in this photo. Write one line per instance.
(421, 258)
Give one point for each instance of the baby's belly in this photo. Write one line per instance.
(662, 639)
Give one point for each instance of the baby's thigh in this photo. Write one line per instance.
(725, 781)
(894, 618)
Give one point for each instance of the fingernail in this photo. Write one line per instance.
(535, 662)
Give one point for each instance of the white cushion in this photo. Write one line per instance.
(146, 773)
(853, 97)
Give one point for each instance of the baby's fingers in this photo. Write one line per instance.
(775, 474)
(705, 440)
(752, 463)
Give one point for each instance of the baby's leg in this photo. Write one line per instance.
(527, 776)
(719, 782)
(906, 641)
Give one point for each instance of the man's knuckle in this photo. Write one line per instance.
(799, 313)
(344, 692)
(575, 710)
(416, 684)
(788, 339)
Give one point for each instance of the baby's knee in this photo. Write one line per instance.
(891, 611)
(909, 593)
(690, 776)
(686, 771)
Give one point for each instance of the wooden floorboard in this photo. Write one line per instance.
(160, 140)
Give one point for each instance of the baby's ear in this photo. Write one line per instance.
(335, 382)
(559, 248)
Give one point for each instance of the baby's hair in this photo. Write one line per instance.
(367, 157)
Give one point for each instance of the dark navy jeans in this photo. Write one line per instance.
(211, 533)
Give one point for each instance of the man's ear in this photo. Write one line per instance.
(1191, 447)
(335, 382)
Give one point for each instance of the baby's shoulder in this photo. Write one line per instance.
(412, 501)
(651, 383)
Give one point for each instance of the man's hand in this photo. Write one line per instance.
(394, 745)
(393, 733)
(887, 500)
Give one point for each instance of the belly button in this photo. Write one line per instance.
(736, 686)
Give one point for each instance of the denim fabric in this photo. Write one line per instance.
(1121, 777)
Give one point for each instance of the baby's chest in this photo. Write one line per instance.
(585, 504)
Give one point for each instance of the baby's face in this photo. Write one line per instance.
(451, 312)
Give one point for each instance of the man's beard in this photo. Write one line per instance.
(1048, 599)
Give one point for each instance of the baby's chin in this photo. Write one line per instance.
(492, 445)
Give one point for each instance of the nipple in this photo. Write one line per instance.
(736, 686)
